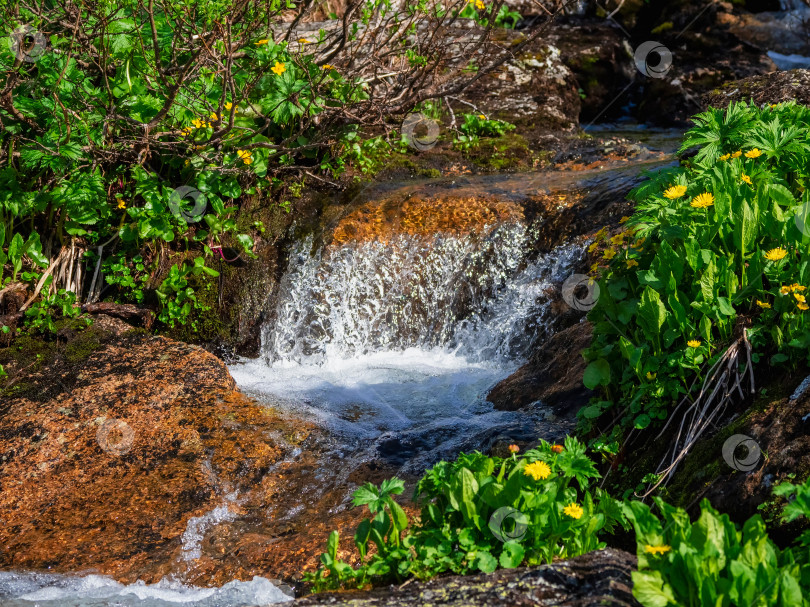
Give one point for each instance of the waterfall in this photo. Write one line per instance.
(477, 295)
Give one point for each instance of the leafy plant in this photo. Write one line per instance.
(720, 237)
(713, 562)
(478, 513)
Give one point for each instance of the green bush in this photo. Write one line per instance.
(479, 513)
(713, 562)
(720, 238)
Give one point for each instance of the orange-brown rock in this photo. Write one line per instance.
(424, 216)
(80, 490)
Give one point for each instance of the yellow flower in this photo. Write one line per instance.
(755, 153)
(122, 204)
(260, 42)
(278, 69)
(799, 298)
(803, 307)
(657, 549)
(786, 289)
(303, 41)
(797, 287)
(651, 376)
(537, 470)
(479, 5)
(763, 304)
(198, 124)
(214, 116)
(775, 254)
(609, 254)
(326, 66)
(638, 243)
(737, 154)
(725, 157)
(631, 263)
(676, 191)
(624, 219)
(746, 179)
(245, 156)
(482, 117)
(228, 105)
(618, 239)
(594, 268)
(693, 343)
(702, 201)
(573, 510)
(593, 246)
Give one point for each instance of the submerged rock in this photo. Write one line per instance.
(598, 578)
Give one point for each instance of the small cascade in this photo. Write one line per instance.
(393, 344)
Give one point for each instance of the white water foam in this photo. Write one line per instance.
(51, 590)
(399, 343)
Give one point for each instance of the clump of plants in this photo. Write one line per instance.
(720, 241)
(478, 513)
(713, 562)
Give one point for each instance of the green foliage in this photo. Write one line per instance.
(713, 562)
(476, 126)
(479, 513)
(720, 237)
(41, 315)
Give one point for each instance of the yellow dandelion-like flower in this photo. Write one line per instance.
(737, 154)
(724, 157)
(228, 105)
(799, 298)
(573, 510)
(693, 343)
(702, 201)
(198, 124)
(122, 204)
(638, 243)
(775, 254)
(675, 191)
(657, 549)
(797, 287)
(755, 153)
(480, 5)
(303, 41)
(624, 219)
(326, 66)
(261, 42)
(746, 179)
(803, 306)
(482, 117)
(539, 471)
(651, 376)
(631, 263)
(594, 268)
(763, 304)
(609, 254)
(214, 116)
(278, 69)
(245, 155)
(618, 239)
(593, 246)
(785, 290)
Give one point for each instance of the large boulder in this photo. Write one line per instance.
(765, 89)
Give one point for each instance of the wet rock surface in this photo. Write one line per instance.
(599, 578)
(769, 88)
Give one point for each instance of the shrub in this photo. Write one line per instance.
(721, 238)
(479, 513)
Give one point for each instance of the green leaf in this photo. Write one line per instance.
(651, 591)
(651, 311)
(596, 374)
(485, 562)
(512, 555)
